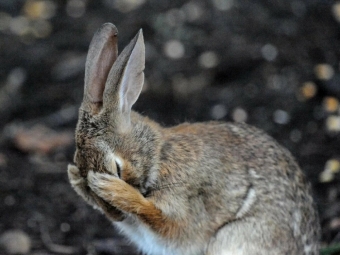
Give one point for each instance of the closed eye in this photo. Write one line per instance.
(118, 170)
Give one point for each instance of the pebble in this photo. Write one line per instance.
(15, 242)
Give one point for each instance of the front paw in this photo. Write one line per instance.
(75, 178)
(79, 184)
(115, 191)
(102, 184)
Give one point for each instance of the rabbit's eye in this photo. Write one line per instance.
(118, 169)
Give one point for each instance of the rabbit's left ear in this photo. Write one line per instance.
(103, 52)
(126, 78)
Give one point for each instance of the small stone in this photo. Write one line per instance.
(15, 242)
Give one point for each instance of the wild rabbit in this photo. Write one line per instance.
(205, 188)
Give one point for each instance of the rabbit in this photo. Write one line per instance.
(211, 188)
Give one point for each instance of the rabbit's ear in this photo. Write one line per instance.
(126, 78)
(103, 52)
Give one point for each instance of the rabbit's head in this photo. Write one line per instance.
(105, 130)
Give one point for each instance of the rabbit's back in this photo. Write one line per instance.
(236, 175)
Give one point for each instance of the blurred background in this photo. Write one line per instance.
(271, 63)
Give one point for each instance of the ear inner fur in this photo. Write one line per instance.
(103, 52)
(125, 81)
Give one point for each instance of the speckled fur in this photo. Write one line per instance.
(209, 188)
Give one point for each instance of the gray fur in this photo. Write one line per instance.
(205, 188)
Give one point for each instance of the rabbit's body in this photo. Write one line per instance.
(207, 188)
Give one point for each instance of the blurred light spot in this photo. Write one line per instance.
(295, 135)
(208, 59)
(75, 8)
(19, 25)
(281, 117)
(298, 8)
(10, 200)
(336, 11)
(223, 5)
(41, 28)
(308, 90)
(5, 20)
(16, 77)
(40, 9)
(269, 52)
(185, 86)
(334, 223)
(65, 227)
(124, 5)
(332, 167)
(333, 123)
(175, 17)
(330, 104)
(218, 111)
(277, 82)
(192, 11)
(239, 115)
(174, 49)
(324, 71)
(15, 241)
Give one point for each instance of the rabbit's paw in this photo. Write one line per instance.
(74, 176)
(79, 184)
(115, 191)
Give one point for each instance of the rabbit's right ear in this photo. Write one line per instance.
(103, 52)
(125, 82)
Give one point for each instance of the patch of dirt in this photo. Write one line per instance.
(273, 64)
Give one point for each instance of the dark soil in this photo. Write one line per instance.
(271, 63)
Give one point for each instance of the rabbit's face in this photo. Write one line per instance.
(108, 139)
(90, 134)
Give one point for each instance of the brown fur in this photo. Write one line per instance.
(203, 188)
